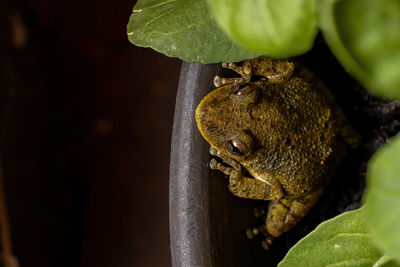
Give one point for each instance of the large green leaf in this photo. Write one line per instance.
(341, 241)
(275, 28)
(183, 29)
(382, 197)
(365, 37)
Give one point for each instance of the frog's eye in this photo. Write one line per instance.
(237, 148)
(242, 89)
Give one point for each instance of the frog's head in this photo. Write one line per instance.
(223, 118)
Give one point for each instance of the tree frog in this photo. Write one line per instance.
(278, 134)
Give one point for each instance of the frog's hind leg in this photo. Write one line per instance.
(285, 213)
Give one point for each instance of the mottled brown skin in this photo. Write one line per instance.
(276, 135)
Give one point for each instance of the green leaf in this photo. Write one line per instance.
(183, 29)
(341, 241)
(365, 37)
(382, 198)
(275, 28)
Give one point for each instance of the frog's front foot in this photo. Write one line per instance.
(244, 70)
(241, 185)
(215, 165)
(233, 168)
(225, 159)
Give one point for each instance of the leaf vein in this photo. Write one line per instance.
(160, 4)
(349, 261)
(345, 234)
(156, 18)
(166, 34)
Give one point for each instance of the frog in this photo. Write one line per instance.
(278, 133)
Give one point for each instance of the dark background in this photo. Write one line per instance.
(86, 120)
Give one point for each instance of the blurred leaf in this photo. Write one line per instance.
(341, 241)
(382, 198)
(275, 28)
(365, 37)
(183, 29)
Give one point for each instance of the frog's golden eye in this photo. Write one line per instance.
(237, 148)
(242, 89)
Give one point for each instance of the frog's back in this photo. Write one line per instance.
(300, 135)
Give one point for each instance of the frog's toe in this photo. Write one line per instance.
(255, 231)
(252, 232)
(219, 81)
(229, 65)
(259, 212)
(226, 64)
(215, 165)
(267, 242)
(213, 151)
